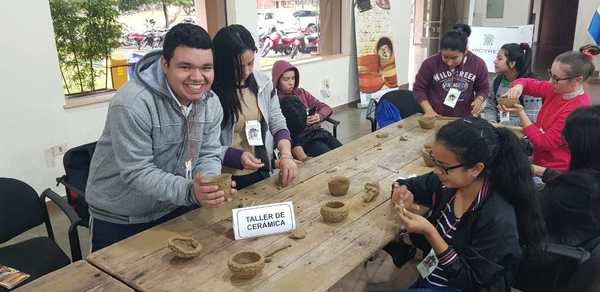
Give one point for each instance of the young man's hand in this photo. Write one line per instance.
(310, 120)
(208, 196)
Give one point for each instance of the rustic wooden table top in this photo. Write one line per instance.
(314, 263)
(77, 277)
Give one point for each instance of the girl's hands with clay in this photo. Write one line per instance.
(403, 198)
(414, 223)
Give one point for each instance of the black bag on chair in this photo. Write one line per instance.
(77, 167)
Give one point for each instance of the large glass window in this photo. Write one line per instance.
(98, 42)
(287, 29)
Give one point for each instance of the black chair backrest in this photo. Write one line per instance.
(20, 208)
(77, 165)
(585, 278)
(404, 100)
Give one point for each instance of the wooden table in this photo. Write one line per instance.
(315, 263)
(78, 276)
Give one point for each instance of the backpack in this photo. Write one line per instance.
(77, 167)
(386, 113)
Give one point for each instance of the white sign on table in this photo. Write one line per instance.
(486, 41)
(263, 220)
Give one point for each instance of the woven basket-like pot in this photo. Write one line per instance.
(184, 247)
(334, 211)
(246, 264)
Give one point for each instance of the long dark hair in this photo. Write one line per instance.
(229, 44)
(582, 133)
(521, 55)
(580, 63)
(507, 168)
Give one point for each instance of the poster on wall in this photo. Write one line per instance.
(375, 53)
(486, 41)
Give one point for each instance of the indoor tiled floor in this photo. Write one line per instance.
(378, 273)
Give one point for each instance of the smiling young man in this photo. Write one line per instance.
(160, 138)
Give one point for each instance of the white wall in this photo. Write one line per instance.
(516, 12)
(585, 12)
(32, 111)
(401, 14)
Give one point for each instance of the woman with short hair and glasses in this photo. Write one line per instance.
(483, 209)
(562, 95)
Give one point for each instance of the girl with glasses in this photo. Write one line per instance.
(484, 209)
(562, 94)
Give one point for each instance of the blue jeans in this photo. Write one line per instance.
(106, 233)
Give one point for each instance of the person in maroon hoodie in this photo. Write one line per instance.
(314, 140)
(453, 82)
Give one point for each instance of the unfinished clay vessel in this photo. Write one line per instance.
(338, 185)
(223, 181)
(334, 211)
(507, 102)
(371, 191)
(246, 264)
(427, 122)
(184, 247)
(426, 154)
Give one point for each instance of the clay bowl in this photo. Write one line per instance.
(184, 247)
(507, 102)
(334, 211)
(246, 264)
(425, 154)
(427, 122)
(223, 181)
(338, 185)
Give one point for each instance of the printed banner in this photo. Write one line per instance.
(375, 53)
(486, 41)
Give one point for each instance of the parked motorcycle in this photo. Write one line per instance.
(305, 43)
(279, 42)
(154, 38)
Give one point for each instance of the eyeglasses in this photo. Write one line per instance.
(445, 169)
(556, 79)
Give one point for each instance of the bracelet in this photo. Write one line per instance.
(284, 156)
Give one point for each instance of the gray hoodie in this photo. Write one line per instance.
(137, 173)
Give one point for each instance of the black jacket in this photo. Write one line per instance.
(486, 238)
(570, 204)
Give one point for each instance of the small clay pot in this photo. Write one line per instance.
(507, 102)
(334, 211)
(223, 181)
(427, 122)
(184, 247)
(338, 185)
(426, 154)
(246, 264)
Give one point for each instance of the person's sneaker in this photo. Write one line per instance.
(400, 252)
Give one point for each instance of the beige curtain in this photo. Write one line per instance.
(330, 25)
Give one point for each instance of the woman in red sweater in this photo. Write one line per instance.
(562, 95)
